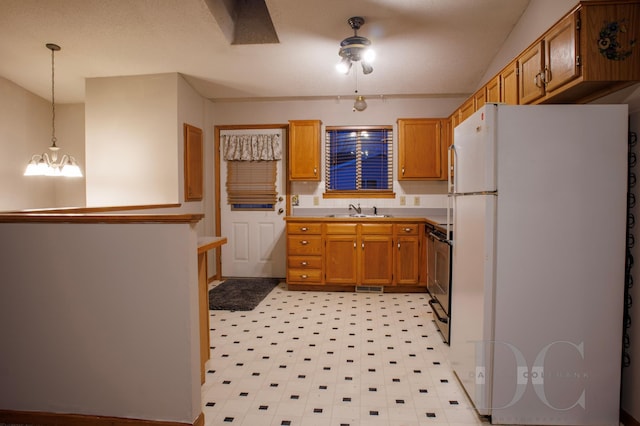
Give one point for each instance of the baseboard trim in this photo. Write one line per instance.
(41, 418)
(627, 420)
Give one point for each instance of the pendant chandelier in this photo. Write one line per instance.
(47, 164)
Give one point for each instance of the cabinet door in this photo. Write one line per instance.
(420, 149)
(467, 108)
(530, 63)
(341, 259)
(509, 84)
(560, 48)
(407, 260)
(493, 90)
(376, 266)
(480, 98)
(193, 163)
(304, 150)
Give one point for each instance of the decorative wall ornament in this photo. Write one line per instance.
(608, 43)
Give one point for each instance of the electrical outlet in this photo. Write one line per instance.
(403, 200)
(416, 201)
(295, 200)
(316, 200)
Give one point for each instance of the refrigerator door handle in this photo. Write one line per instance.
(451, 175)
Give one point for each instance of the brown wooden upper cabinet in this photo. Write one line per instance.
(421, 152)
(509, 84)
(304, 150)
(588, 53)
(492, 91)
(193, 163)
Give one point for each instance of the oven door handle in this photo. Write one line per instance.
(435, 236)
(435, 311)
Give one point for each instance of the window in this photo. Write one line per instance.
(359, 160)
(251, 184)
(251, 170)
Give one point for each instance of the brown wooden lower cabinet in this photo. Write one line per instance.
(326, 253)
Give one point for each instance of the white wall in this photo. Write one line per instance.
(131, 133)
(100, 319)
(70, 192)
(338, 112)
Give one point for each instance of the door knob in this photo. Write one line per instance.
(280, 210)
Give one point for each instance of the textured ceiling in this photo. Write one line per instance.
(424, 47)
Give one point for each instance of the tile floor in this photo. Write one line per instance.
(324, 358)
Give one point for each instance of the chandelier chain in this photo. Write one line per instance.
(53, 100)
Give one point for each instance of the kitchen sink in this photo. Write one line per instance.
(359, 215)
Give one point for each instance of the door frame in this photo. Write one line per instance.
(216, 168)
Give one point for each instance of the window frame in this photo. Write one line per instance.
(360, 193)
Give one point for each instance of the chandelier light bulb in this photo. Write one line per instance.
(360, 104)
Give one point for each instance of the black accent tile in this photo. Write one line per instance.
(317, 410)
(423, 391)
(396, 380)
(295, 397)
(210, 404)
(444, 381)
(399, 401)
(228, 419)
(263, 407)
(322, 387)
(453, 402)
(373, 412)
(226, 382)
(346, 399)
(286, 423)
(431, 415)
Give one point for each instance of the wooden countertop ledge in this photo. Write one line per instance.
(98, 218)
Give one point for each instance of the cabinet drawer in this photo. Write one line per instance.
(304, 244)
(342, 228)
(407, 229)
(304, 276)
(304, 228)
(377, 228)
(304, 262)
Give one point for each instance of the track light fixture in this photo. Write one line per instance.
(355, 49)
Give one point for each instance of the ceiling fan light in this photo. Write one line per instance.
(343, 66)
(366, 68)
(360, 104)
(369, 55)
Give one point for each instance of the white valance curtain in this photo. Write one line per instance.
(252, 147)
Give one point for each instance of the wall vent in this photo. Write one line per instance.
(369, 289)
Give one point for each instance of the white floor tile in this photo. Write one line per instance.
(323, 358)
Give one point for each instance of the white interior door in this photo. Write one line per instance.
(256, 241)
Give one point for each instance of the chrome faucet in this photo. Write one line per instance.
(357, 209)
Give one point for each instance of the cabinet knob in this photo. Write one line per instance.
(304, 242)
(403, 170)
(304, 229)
(315, 171)
(304, 276)
(303, 263)
(407, 229)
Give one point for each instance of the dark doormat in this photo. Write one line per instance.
(240, 294)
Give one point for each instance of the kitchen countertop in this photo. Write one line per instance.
(434, 216)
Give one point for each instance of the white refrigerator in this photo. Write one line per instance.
(539, 222)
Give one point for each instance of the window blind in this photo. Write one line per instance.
(251, 183)
(359, 159)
